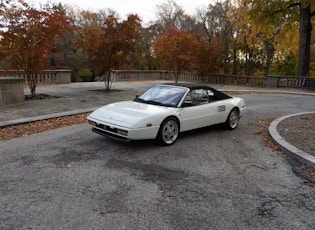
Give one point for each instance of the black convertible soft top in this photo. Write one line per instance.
(219, 95)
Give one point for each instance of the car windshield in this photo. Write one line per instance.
(163, 95)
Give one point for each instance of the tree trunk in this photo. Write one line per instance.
(305, 41)
(107, 81)
(235, 61)
(176, 74)
(270, 51)
(32, 82)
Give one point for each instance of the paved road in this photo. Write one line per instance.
(71, 178)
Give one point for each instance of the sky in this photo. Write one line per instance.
(146, 9)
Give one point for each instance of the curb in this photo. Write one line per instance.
(270, 91)
(44, 117)
(285, 146)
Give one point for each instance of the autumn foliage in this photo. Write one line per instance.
(176, 50)
(206, 58)
(181, 51)
(107, 44)
(241, 37)
(28, 36)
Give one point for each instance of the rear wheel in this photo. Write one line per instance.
(233, 119)
(168, 132)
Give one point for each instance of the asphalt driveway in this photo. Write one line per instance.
(71, 178)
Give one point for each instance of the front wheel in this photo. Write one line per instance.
(233, 119)
(168, 132)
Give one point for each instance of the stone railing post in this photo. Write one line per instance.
(11, 91)
(272, 81)
(62, 76)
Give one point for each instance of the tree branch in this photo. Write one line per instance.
(293, 5)
(288, 7)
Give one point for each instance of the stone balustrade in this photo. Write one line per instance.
(59, 76)
(255, 81)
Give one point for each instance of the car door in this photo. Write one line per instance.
(197, 111)
(220, 111)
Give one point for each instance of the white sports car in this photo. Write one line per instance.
(165, 110)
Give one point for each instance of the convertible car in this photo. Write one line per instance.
(165, 110)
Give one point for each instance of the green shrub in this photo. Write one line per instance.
(85, 75)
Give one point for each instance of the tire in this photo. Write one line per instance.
(168, 132)
(233, 119)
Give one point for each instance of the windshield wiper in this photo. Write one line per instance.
(155, 103)
(137, 99)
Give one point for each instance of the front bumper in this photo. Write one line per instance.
(123, 133)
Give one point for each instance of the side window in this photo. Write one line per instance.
(210, 93)
(211, 96)
(199, 96)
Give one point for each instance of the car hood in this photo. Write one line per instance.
(127, 113)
